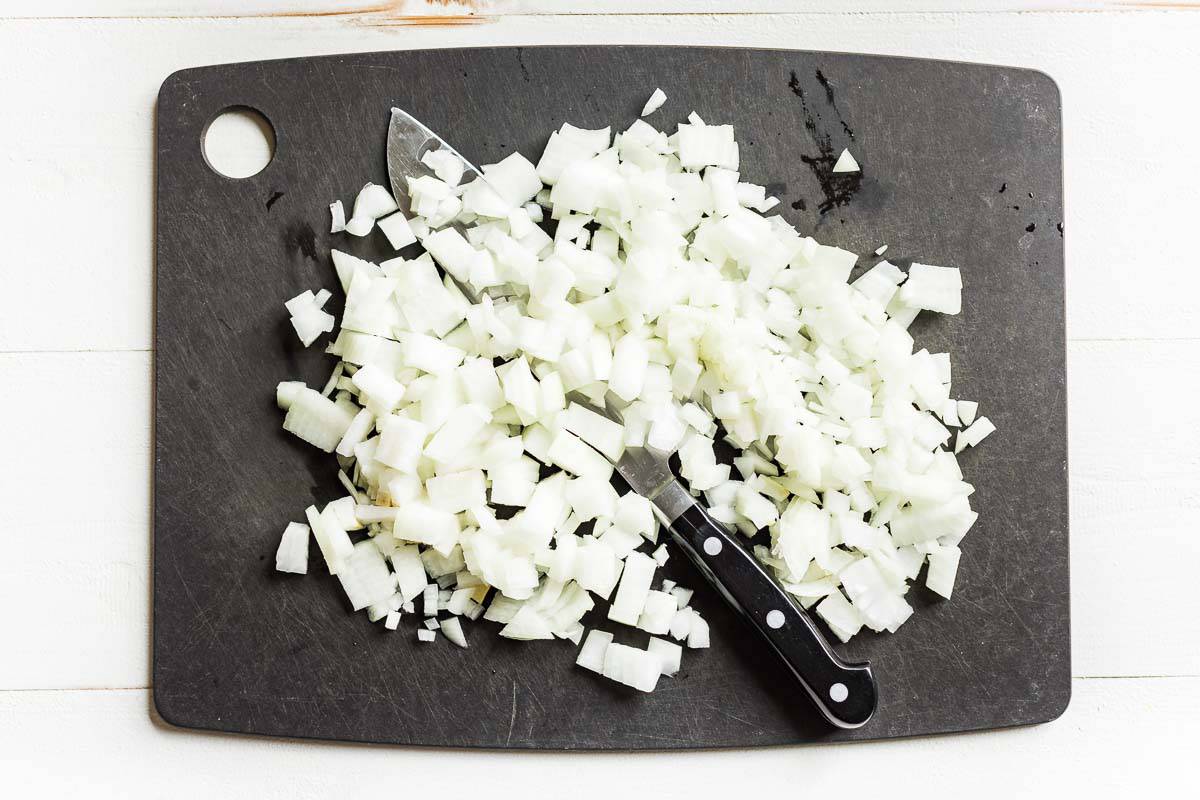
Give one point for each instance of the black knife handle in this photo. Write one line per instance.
(845, 693)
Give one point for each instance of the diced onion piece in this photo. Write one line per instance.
(514, 179)
(570, 453)
(657, 613)
(846, 162)
(397, 230)
(422, 523)
(292, 555)
(640, 669)
(410, 572)
(967, 409)
(359, 226)
(979, 430)
(698, 633)
(596, 429)
(337, 217)
(527, 624)
(426, 635)
(452, 630)
(316, 419)
(943, 567)
(365, 577)
(657, 98)
(933, 288)
(591, 655)
(373, 202)
(840, 615)
(669, 653)
(401, 443)
(457, 491)
(286, 393)
(445, 164)
(633, 589)
(703, 145)
(462, 426)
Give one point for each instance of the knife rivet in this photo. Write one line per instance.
(838, 692)
(712, 545)
(775, 618)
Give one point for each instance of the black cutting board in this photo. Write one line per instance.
(962, 166)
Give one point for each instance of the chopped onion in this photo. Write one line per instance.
(292, 555)
(452, 630)
(397, 230)
(979, 430)
(633, 589)
(591, 655)
(657, 98)
(943, 567)
(307, 318)
(657, 613)
(640, 669)
(373, 202)
(461, 404)
(967, 409)
(337, 217)
(846, 163)
(669, 653)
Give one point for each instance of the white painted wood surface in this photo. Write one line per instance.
(497, 8)
(76, 165)
(1120, 739)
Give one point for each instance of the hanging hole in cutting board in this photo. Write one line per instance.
(239, 142)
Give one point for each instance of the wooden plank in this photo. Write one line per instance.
(77, 514)
(81, 150)
(1135, 496)
(1127, 737)
(75, 489)
(41, 9)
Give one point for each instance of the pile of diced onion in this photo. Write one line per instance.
(635, 272)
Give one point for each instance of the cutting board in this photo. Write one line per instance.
(962, 166)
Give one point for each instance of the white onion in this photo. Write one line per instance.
(292, 555)
(943, 566)
(452, 630)
(657, 98)
(669, 653)
(337, 217)
(633, 589)
(397, 230)
(657, 612)
(307, 318)
(591, 655)
(846, 163)
(633, 667)
(660, 291)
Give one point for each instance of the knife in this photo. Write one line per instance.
(845, 693)
(407, 141)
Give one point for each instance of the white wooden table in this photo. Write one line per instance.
(78, 80)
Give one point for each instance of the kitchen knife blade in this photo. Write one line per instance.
(407, 141)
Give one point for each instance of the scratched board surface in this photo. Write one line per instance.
(961, 166)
